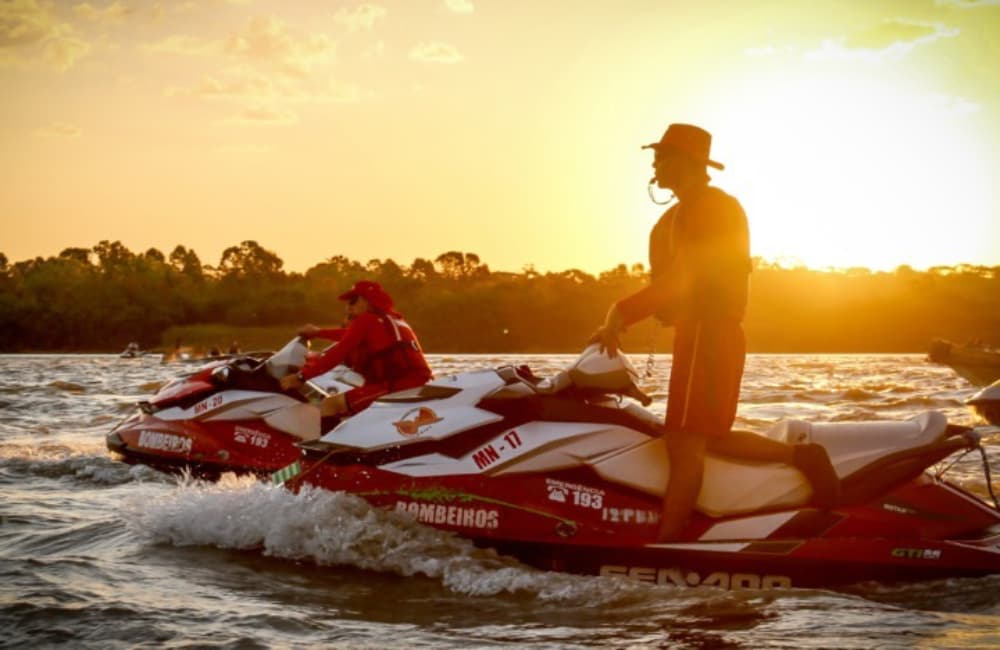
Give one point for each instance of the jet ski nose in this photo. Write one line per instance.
(115, 443)
(986, 404)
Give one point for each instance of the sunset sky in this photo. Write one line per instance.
(855, 133)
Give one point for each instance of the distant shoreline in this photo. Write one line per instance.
(156, 355)
(101, 299)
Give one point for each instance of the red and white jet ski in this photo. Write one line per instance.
(229, 416)
(567, 475)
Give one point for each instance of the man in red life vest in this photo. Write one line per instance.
(699, 254)
(377, 343)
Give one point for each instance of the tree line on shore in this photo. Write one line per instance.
(99, 298)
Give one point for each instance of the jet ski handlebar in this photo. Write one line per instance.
(563, 380)
(636, 393)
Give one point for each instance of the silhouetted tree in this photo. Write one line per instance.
(249, 259)
(113, 257)
(186, 262)
(451, 264)
(457, 304)
(81, 255)
(422, 269)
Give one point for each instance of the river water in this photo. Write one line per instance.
(95, 553)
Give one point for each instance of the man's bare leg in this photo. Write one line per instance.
(687, 465)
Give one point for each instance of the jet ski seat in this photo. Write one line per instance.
(853, 445)
(735, 487)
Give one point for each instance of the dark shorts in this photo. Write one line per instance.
(705, 377)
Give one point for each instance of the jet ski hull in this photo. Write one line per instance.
(753, 566)
(203, 449)
(569, 521)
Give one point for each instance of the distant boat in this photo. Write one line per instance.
(132, 351)
(976, 362)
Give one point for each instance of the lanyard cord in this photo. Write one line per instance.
(651, 358)
(652, 197)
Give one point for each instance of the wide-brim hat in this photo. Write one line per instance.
(372, 292)
(692, 141)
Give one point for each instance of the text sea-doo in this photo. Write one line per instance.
(566, 475)
(230, 416)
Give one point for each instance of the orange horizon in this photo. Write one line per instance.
(854, 135)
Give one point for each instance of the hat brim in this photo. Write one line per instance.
(348, 295)
(655, 146)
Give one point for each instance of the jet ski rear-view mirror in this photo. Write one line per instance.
(288, 359)
(595, 370)
(220, 375)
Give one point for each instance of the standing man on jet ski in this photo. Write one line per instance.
(377, 343)
(699, 254)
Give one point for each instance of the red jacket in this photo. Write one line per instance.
(382, 347)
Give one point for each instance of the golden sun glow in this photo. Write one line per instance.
(855, 133)
(853, 172)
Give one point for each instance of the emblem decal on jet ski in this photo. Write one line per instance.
(579, 495)
(415, 421)
(164, 441)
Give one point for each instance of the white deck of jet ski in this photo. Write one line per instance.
(375, 427)
(621, 454)
(284, 413)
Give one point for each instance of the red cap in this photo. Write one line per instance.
(372, 292)
(688, 139)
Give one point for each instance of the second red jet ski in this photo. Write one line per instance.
(229, 416)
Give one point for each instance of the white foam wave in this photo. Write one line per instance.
(85, 461)
(96, 471)
(338, 529)
(51, 450)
